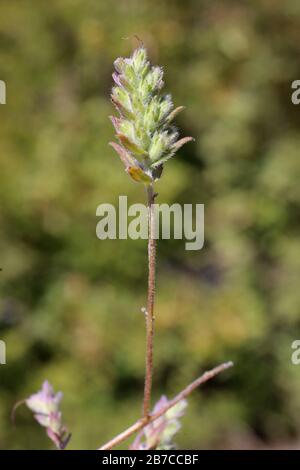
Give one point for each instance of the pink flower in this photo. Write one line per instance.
(159, 434)
(45, 407)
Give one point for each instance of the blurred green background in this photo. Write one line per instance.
(70, 303)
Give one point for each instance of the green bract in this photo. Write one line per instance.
(144, 128)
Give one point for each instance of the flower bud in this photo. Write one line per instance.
(45, 406)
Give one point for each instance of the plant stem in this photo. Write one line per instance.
(150, 302)
(140, 424)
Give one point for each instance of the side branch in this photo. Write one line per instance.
(140, 424)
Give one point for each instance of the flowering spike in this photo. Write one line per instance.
(147, 139)
(159, 434)
(45, 406)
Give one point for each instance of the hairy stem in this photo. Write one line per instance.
(140, 424)
(150, 302)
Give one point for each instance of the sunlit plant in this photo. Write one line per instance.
(147, 139)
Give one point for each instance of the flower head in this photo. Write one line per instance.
(147, 138)
(45, 406)
(159, 434)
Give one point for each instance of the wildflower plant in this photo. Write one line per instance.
(147, 139)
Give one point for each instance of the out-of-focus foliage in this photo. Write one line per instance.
(70, 303)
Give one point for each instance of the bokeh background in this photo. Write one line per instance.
(70, 303)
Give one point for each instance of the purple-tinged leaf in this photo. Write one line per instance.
(174, 113)
(116, 78)
(116, 122)
(122, 110)
(181, 142)
(126, 158)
